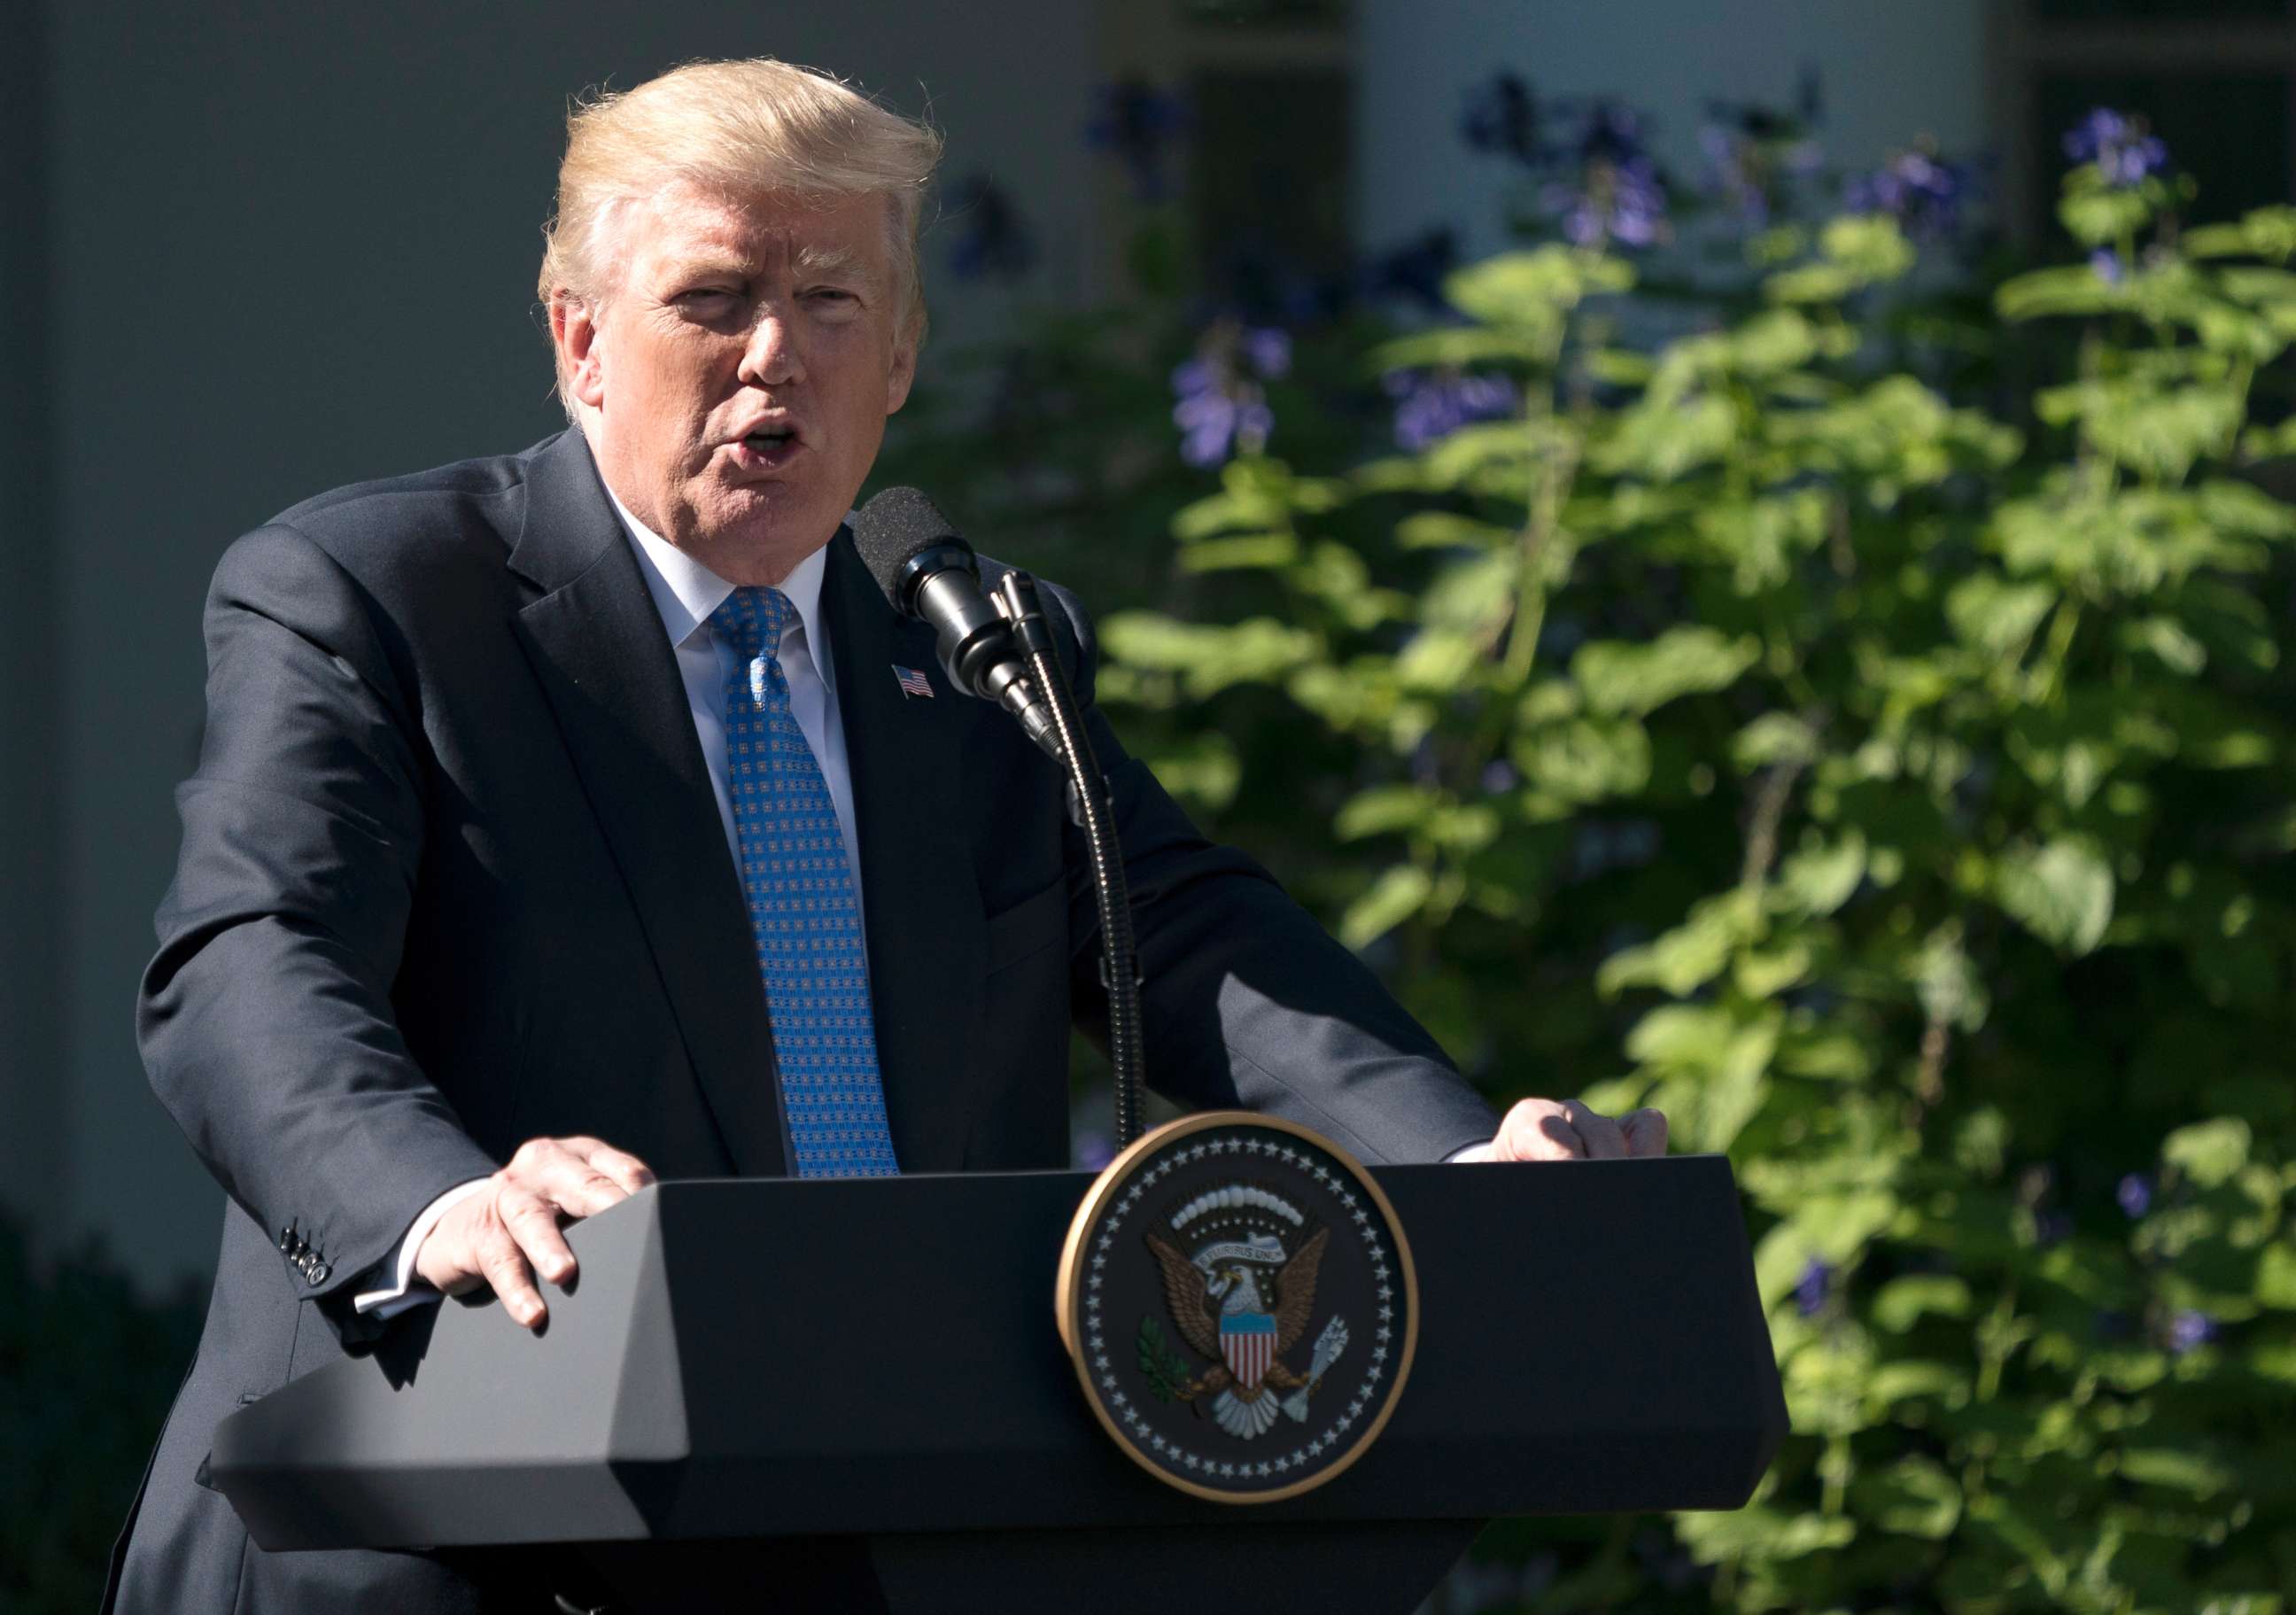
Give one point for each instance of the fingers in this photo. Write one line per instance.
(1538, 1129)
(1568, 1129)
(533, 1223)
(503, 1264)
(1645, 1131)
(1604, 1140)
(506, 1237)
(580, 1176)
(627, 1171)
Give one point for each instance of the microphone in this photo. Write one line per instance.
(931, 573)
(1004, 651)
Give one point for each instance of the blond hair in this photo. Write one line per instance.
(734, 127)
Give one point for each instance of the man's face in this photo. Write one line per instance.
(735, 389)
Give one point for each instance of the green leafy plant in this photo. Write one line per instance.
(1893, 786)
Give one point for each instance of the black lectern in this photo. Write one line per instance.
(876, 1361)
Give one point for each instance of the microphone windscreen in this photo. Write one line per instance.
(896, 527)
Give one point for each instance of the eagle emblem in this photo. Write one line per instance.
(1238, 1264)
(1237, 1299)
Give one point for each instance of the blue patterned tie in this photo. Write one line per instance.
(802, 912)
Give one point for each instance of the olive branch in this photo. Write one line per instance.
(1161, 1362)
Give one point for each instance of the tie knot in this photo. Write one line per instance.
(751, 620)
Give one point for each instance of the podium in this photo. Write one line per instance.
(752, 1375)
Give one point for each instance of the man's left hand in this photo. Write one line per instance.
(1565, 1130)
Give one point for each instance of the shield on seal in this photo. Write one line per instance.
(1247, 1342)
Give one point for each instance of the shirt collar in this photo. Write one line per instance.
(685, 592)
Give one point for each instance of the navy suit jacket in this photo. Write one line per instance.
(453, 876)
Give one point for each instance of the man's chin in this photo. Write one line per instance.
(768, 522)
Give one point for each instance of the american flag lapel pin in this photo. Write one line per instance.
(911, 682)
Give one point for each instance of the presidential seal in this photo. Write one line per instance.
(1240, 1304)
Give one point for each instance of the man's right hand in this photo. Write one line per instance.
(503, 1235)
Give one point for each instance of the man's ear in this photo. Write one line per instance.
(574, 332)
(904, 371)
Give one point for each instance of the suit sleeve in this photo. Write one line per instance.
(265, 1018)
(1248, 1001)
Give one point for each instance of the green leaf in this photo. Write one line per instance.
(1997, 616)
(1775, 737)
(1687, 957)
(1383, 809)
(1208, 660)
(1903, 1303)
(1620, 678)
(2095, 215)
(1586, 759)
(1444, 529)
(2275, 1276)
(2061, 892)
(1399, 892)
(2178, 1470)
(1203, 770)
(2209, 1153)
(2068, 290)
(1913, 1497)
(1763, 1533)
(1818, 877)
(1261, 550)
(1530, 289)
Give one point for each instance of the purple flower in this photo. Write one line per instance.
(1502, 117)
(1599, 178)
(2135, 1194)
(1430, 406)
(2188, 1329)
(1621, 203)
(1924, 193)
(1135, 122)
(1219, 405)
(1618, 194)
(1815, 1284)
(2121, 145)
(1499, 777)
(995, 242)
(1750, 151)
(1268, 350)
(2107, 263)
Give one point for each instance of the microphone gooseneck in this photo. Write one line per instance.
(1001, 649)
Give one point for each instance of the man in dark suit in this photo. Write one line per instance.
(567, 817)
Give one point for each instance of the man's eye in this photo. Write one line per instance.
(706, 297)
(830, 294)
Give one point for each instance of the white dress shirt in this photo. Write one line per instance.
(685, 593)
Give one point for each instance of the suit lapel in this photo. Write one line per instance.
(920, 897)
(597, 645)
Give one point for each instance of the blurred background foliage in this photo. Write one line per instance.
(1760, 652)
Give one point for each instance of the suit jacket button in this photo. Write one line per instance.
(287, 1237)
(318, 1275)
